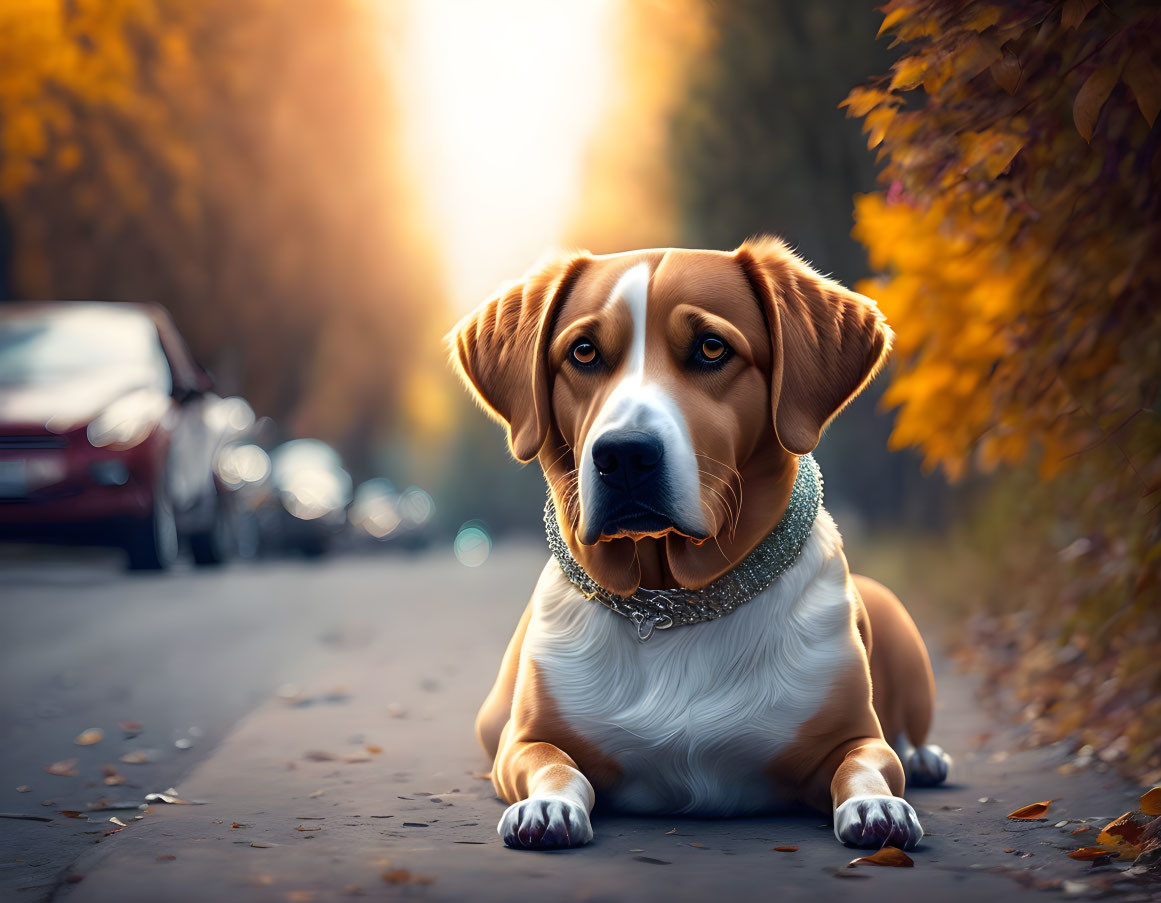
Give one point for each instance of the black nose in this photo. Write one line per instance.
(626, 459)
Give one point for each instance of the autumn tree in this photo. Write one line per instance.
(238, 162)
(1018, 238)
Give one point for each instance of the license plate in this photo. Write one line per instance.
(14, 479)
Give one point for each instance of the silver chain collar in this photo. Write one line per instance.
(660, 609)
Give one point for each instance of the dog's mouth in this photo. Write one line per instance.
(640, 520)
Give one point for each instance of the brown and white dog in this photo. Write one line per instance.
(668, 396)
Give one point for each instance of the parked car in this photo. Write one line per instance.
(381, 516)
(107, 432)
(306, 509)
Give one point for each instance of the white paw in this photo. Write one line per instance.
(877, 821)
(545, 823)
(927, 766)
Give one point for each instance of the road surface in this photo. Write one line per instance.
(322, 715)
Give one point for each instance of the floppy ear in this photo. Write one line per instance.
(500, 351)
(828, 342)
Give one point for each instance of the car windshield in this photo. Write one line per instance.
(56, 345)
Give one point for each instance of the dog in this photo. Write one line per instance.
(696, 644)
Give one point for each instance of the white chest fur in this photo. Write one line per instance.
(694, 716)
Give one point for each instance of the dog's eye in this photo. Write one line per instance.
(585, 353)
(711, 350)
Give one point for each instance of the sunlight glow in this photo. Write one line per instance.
(501, 97)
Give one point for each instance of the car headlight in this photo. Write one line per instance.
(312, 494)
(129, 420)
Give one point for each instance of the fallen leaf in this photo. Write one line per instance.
(66, 768)
(790, 848)
(1150, 801)
(136, 757)
(403, 876)
(1082, 829)
(166, 857)
(1032, 810)
(1124, 835)
(115, 820)
(700, 846)
(373, 749)
(309, 828)
(23, 788)
(671, 831)
(892, 856)
(315, 795)
(131, 728)
(111, 777)
(1088, 854)
(71, 813)
(238, 824)
(89, 737)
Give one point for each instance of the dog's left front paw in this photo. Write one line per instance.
(877, 821)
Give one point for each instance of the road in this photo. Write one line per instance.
(325, 712)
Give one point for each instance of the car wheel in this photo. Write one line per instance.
(152, 543)
(213, 546)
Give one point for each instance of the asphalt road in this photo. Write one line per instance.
(323, 714)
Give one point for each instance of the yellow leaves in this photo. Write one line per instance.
(908, 73)
(1151, 801)
(983, 17)
(1091, 97)
(875, 125)
(893, 18)
(992, 149)
(862, 100)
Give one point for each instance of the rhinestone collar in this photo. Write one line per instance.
(660, 609)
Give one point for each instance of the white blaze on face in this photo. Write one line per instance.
(638, 404)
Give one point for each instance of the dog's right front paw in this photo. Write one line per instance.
(545, 823)
(877, 821)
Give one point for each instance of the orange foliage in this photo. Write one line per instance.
(1018, 236)
(236, 161)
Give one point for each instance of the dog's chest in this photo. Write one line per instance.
(695, 717)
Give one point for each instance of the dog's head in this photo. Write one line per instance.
(668, 394)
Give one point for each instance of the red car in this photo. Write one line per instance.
(105, 437)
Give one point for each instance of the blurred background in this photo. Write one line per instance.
(292, 203)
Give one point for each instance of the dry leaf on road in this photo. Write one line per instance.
(1088, 854)
(89, 737)
(1124, 835)
(403, 876)
(66, 768)
(789, 848)
(892, 856)
(1032, 810)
